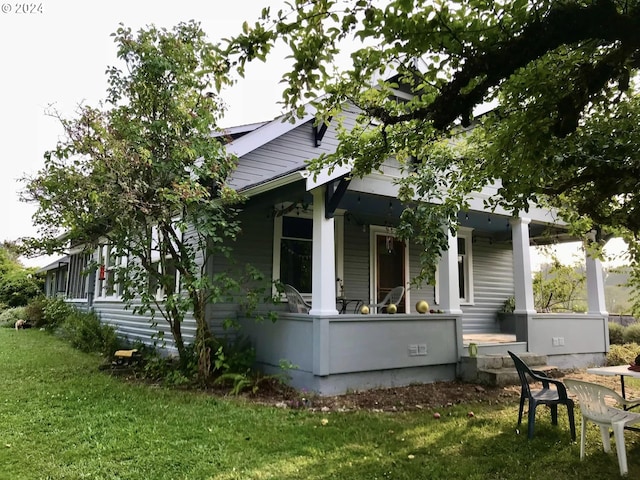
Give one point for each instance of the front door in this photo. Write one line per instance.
(390, 267)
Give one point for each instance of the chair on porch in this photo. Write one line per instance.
(552, 397)
(592, 399)
(297, 304)
(394, 296)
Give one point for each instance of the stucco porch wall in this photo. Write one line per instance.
(569, 340)
(341, 352)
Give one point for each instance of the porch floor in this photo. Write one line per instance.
(487, 338)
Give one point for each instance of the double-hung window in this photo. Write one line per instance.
(465, 266)
(292, 252)
(108, 263)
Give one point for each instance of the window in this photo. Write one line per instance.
(465, 266)
(292, 247)
(295, 252)
(166, 269)
(77, 282)
(171, 272)
(108, 264)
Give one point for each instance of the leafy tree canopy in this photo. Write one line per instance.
(561, 77)
(142, 174)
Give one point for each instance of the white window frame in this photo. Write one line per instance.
(160, 294)
(466, 234)
(104, 256)
(308, 213)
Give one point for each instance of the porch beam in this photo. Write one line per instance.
(323, 261)
(595, 285)
(448, 282)
(333, 195)
(523, 282)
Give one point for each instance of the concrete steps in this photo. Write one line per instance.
(498, 369)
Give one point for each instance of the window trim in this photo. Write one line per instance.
(277, 239)
(466, 234)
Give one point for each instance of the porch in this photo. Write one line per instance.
(332, 354)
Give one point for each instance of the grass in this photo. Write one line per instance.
(61, 418)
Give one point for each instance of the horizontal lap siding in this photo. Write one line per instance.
(253, 246)
(492, 285)
(284, 154)
(356, 262)
(418, 292)
(141, 327)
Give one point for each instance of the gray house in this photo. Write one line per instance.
(333, 238)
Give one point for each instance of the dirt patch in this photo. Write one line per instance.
(415, 397)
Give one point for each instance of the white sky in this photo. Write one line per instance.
(57, 58)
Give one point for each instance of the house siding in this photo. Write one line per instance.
(286, 153)
(492, 285)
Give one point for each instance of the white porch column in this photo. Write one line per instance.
(522, 279)
(595, 285)
(323, 270)
(448, 284)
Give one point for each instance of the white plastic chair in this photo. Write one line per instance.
(394, 296)
(595, 407)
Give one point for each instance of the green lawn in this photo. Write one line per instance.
(61, 418)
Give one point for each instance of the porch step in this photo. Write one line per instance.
(498, 369)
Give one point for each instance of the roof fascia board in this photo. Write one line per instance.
(273, 184)
(327, 174)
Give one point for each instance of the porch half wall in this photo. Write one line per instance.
(338, 353)
(569, 340)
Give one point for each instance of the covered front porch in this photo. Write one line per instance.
(346, 235)
(332, 354)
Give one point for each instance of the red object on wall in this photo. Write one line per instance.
(101, 274)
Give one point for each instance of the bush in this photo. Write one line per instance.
(623, 354)
(616, 333)
(86, 333)
(35, 311)
(55, 312)
(9, 317)
(632, 333)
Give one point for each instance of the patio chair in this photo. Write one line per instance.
(297, 304)
(552, 394)
(592, 399)
(394, 296)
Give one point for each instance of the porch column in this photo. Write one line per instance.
(448, 283)
(595, 285)
(523, 282)
(323, 261)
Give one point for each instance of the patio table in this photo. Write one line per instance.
(621, 370)
(344, 304)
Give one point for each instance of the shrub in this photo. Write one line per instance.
(55, 311)
(632, 333)
(35, 311)
(9, 317)
(623, 354)
(616, 333)
(86, 333)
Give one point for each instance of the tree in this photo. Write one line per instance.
(18, 285)
(558, 287)
(141, 177)
(561, 77)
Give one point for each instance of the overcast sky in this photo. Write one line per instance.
(56, 56)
